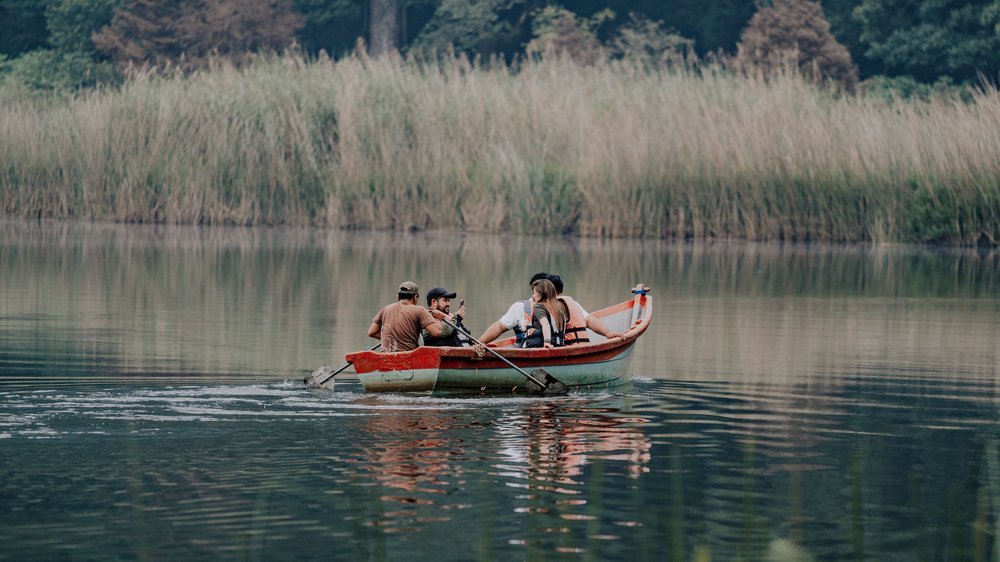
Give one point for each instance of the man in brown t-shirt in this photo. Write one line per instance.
(398, 325)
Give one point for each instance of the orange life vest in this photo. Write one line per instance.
(576, 326)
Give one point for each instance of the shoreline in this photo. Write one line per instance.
(239, 234)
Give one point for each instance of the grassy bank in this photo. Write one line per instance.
(552, 148)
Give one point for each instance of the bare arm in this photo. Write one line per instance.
(594, 323)
(434, 329)
(546, 333)
(495, 330)
(375, 331)
(431, 321)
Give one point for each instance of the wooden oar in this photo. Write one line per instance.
(314, 381)
(539, 381)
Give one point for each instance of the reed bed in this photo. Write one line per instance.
(610, 150)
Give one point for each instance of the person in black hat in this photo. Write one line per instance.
(439, 299)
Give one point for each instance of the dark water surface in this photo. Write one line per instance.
(788, 403)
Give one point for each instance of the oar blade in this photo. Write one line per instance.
(317, 378)
(550, 386)
(554, 386)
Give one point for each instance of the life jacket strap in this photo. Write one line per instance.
(577, 335)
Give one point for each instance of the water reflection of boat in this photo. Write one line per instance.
(552, 445)
(600, 363)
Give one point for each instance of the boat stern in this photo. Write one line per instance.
(408, 371)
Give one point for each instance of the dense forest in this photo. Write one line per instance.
(907, 44)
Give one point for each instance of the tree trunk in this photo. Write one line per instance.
(384, 28)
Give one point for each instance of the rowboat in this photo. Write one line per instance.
(600, 363)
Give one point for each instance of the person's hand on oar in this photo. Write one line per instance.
(539, 381)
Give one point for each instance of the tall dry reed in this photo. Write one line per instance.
(551, 147)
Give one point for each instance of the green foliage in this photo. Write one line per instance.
(71, 23)
(991, 15)
(52, 70)
(648, 43)
(551, 19)
(926, 39)
(940, 214)
(714, 25)
(561, 32)
(847, 29)
(72, 61)
(23, 24)
(935, 215)
(330, 25)
(906, 88)
(468, 26)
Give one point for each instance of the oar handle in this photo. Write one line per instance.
(342, 369)
(498, 356)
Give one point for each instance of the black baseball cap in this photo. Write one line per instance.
(438, 292)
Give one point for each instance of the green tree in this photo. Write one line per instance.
(560, 31)
(927, 39)
(648, 42)
(395, 23)
(71, 59)
(72, 23)
(24, 26)
(847, 29)
(798, 29)
(333, 26)
(470, 26)
(50, 69)
(713, 25)
(336, 26)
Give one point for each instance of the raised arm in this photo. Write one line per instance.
(434, 328)
(495, 330)
(594, 323)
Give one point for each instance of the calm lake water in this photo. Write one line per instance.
(788, 403)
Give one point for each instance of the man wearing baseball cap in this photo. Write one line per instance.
(398, 325)
(439, 299)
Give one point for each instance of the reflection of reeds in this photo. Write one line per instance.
(606, 150)
(274, 302)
